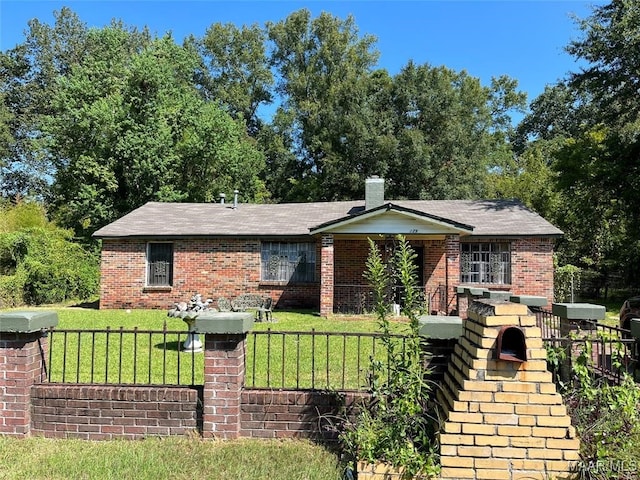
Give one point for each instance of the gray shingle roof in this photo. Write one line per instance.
(155, 219)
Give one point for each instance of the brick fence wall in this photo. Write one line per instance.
(296, 414)
(93, 412)
(221, 408)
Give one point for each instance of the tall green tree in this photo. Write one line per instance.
(28, 76)
(237, 75)
(592, 119)
(323, 66)
(609, 45)
(131, 127)
(450, 131)
(530, 178)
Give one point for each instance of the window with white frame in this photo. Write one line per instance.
(485, 263)
(159, 264)
(288, 262)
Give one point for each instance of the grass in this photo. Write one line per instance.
(175, 457)
(273, 360)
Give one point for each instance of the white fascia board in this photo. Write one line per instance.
(391, 221)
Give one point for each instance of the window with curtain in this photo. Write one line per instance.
(288, 262)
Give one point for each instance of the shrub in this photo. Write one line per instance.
(395, 427)
(40, 263)
(607, 418)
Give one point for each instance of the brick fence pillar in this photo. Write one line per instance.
(225, 335)
(23, 356)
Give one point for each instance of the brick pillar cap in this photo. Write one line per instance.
(27, 321)
(224, 322)
(578, 311)
(530, 300)
(440, 326)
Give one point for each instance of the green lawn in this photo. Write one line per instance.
(296, 360)
(175, 457)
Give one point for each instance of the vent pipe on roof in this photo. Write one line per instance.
(373, 192)
(235, 198)
(222, 197)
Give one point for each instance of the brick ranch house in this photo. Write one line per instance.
(313, 254)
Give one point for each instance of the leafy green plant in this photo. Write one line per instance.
(40, 262)
(394, 427)
(556, 356)
(607, 418)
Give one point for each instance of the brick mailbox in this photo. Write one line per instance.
(502, 416)
(23, 350)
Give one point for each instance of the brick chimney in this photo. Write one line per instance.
(373, 192)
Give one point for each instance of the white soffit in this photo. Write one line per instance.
(392, 222)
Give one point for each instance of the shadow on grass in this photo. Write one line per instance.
(172, 346)
(95, 305)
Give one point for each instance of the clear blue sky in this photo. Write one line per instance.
(522, 39)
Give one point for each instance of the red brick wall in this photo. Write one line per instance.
(531, 270)
(294, 414)
(532, 267)
(435, 269)
(109, 412)
(229, 267)
(212, 267)
(21, 367)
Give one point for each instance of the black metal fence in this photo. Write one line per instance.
(293, 359)
(122, 357)
(314, 360)
(548, 322)
(603, 350)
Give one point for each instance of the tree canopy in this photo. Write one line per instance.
(589, 126)
(97, 121)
